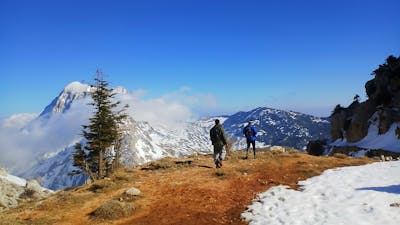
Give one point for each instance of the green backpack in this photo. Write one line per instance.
(215, 134)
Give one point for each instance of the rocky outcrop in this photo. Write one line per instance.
(15, 190)
(338, 122)
(358, 126)
(352, 122)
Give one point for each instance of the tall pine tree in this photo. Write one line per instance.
(103, 134)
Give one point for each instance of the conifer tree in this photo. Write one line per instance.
(102, 134)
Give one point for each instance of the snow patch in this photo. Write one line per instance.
(349, 195)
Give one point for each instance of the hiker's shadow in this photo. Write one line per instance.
(393, 189)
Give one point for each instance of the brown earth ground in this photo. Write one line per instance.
(184, 191)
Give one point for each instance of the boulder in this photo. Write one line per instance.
(133, 192)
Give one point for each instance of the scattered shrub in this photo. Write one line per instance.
(113, 209)
(121, 175)
(28, 193)
(316, 148)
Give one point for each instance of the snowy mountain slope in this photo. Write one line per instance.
(53, 172)
(278, 127)
(349, 195)
(143, 143)
(60, 126)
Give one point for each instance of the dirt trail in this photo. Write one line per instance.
(191, 193)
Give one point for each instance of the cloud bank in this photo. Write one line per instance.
(23, 141)
(169, 110)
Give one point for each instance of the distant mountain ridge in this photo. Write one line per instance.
(143, 141)
(278, 127)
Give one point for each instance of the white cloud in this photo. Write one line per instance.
(18, 120)
(157, 111)
(169, 110)
(199, 103)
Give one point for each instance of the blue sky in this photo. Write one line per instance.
(305, 56)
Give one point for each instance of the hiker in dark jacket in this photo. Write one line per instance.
(218, 139)
(250, 133)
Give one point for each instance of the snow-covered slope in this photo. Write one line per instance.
(53, 172)
(360, 195)
(60, 127)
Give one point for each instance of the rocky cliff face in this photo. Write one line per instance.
(383, 91)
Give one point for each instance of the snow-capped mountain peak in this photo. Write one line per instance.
(77, 87)
(63, 101)
(72, 92)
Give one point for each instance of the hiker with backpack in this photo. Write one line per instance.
(250, 133)
(219, 140)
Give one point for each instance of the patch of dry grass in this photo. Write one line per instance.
(121, 175)
(168, 163)
(309, 172)
(101, 186)
(33, 221)
(64, 199)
